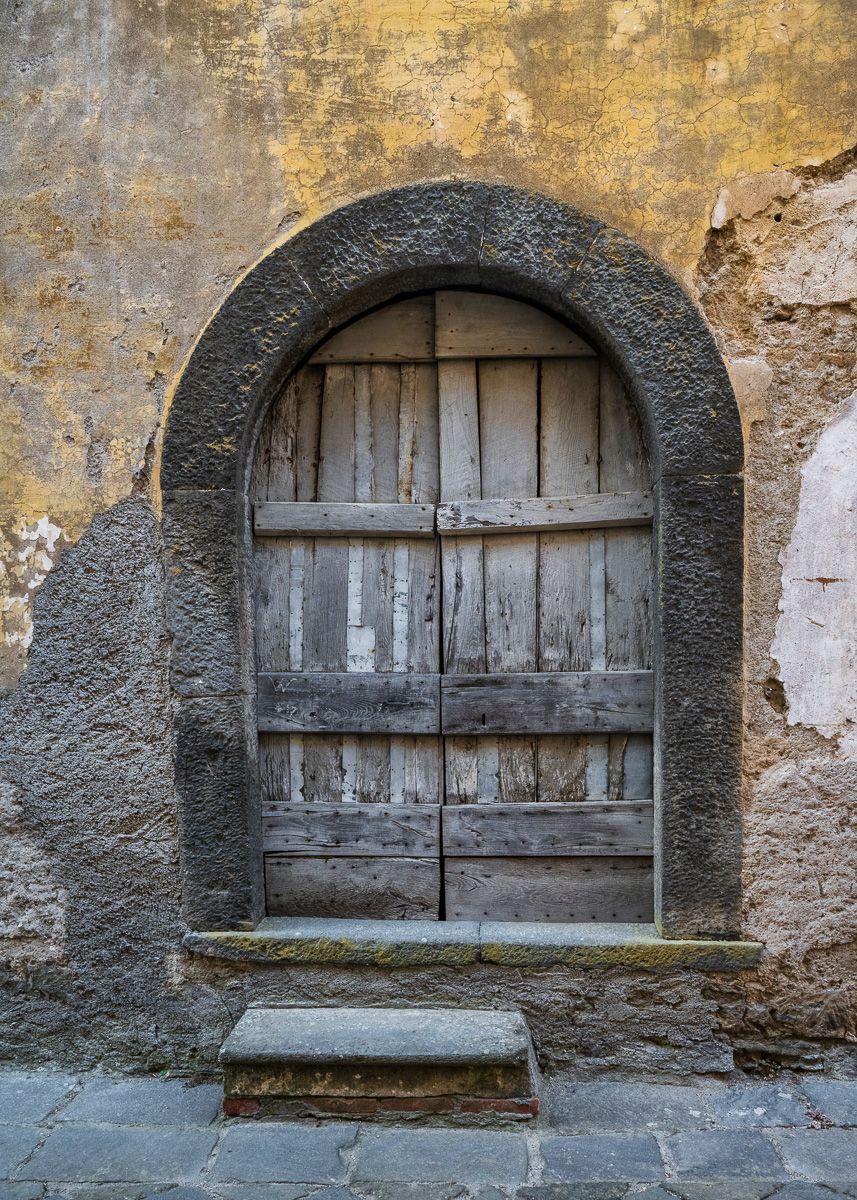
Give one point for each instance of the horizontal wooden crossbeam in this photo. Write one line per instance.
(352, 830)
(595, 511)
(380, 702)
(548, 702)
(353, 702)
(316, 519)
(547, 830)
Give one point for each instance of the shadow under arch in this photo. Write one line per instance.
(533, 248)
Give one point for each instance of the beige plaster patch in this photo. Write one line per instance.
(32, 904)
(752, 194)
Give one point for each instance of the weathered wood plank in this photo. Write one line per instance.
(274, 766)
(549, 889)
(568, 465)
(568, 431)
(557, 830)
(596, 511)
(397, 333)
(460, 479)
(349, 702)
(462, 781)
(343, 520)
(325, 607)
(273, 475)
(478, 325)
(422, 771)
(423, 618)
(336, 445)
(419, 449)
(384, 889)
(624, 463)
(517, 769)
(309, 401)
(378, 559)
(358, 830)
(548, 702)
(322, 768)
(638, 783)
(561, 768)
(271, 568)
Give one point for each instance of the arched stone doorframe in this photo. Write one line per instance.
(528, 246)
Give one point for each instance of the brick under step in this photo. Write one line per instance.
(380, 1060)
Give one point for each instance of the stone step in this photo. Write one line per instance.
(392, 1053)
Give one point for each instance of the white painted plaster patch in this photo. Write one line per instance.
(816, 638)
(28, 550)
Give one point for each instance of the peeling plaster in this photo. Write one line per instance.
(28, 550)
(816, 638)
(32, 904)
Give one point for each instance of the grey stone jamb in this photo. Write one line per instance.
(626, 305)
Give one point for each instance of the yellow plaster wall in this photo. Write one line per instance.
(161, 146)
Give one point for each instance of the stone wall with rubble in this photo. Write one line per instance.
(154, 150)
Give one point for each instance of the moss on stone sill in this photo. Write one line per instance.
(459, 943)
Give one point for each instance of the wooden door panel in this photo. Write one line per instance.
(549, 889)
(548, 830)
(381, 889)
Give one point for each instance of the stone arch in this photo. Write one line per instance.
(603, 284)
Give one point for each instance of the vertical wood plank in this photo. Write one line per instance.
(423, 643)
(309, 401)
(568, 465)
(509, 455)
(274, 770)
(461, 770)
(271, 586)
(337, 448)
(425, 486)
(385, 381)
(322, 768)
(378, 559)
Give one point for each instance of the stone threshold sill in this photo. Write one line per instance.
(459, 943)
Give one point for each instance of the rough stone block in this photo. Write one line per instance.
(378, 1052)
(26, 1096)
(16, 1142)
(144, 1102)
(442, 1156)
(575, 1191)
(406, 239)
(257, 1153)
(21, 1191)
(607, 1158)
(80, 1154)
(837, 1100)
(383, 1190)
(768, 1105)
(260, 1191)
(726, 1154)
(587, 1107)
(825, 1155)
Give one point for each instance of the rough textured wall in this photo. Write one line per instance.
(154, 151)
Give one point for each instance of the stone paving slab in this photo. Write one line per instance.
(90, 1154)
(726, 1154)
(836, 1100)
(284, 1153)
(824, 1155)
(21, 1191)
(766, 1106)
(603, 1157)
(442, 1156)
(29, 1096)
(16, 1142)
(253, 1191)
(144, 1102)
(588, 1107)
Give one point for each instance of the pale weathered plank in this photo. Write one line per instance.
(349, 702)
(423, 618)
(397, 333)
(273, 475)
(460, 479)
(556, 830)
(271, 567)
(461, 770)
(549, 889)
(360, 830)
(325, 607)
(568, 465)
(384, 389)
(595, 511)
(419, 449)
(372, 775)
(343, 520)
(322, 768)
(384, 889)
(478, 325)
(549, 702)
(378, 559)
(309, 401)
(422, 772)
(508, 439)
(336, 446)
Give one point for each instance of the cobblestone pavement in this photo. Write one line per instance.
(95, 1136)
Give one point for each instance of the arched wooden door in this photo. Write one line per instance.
(452, 532)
